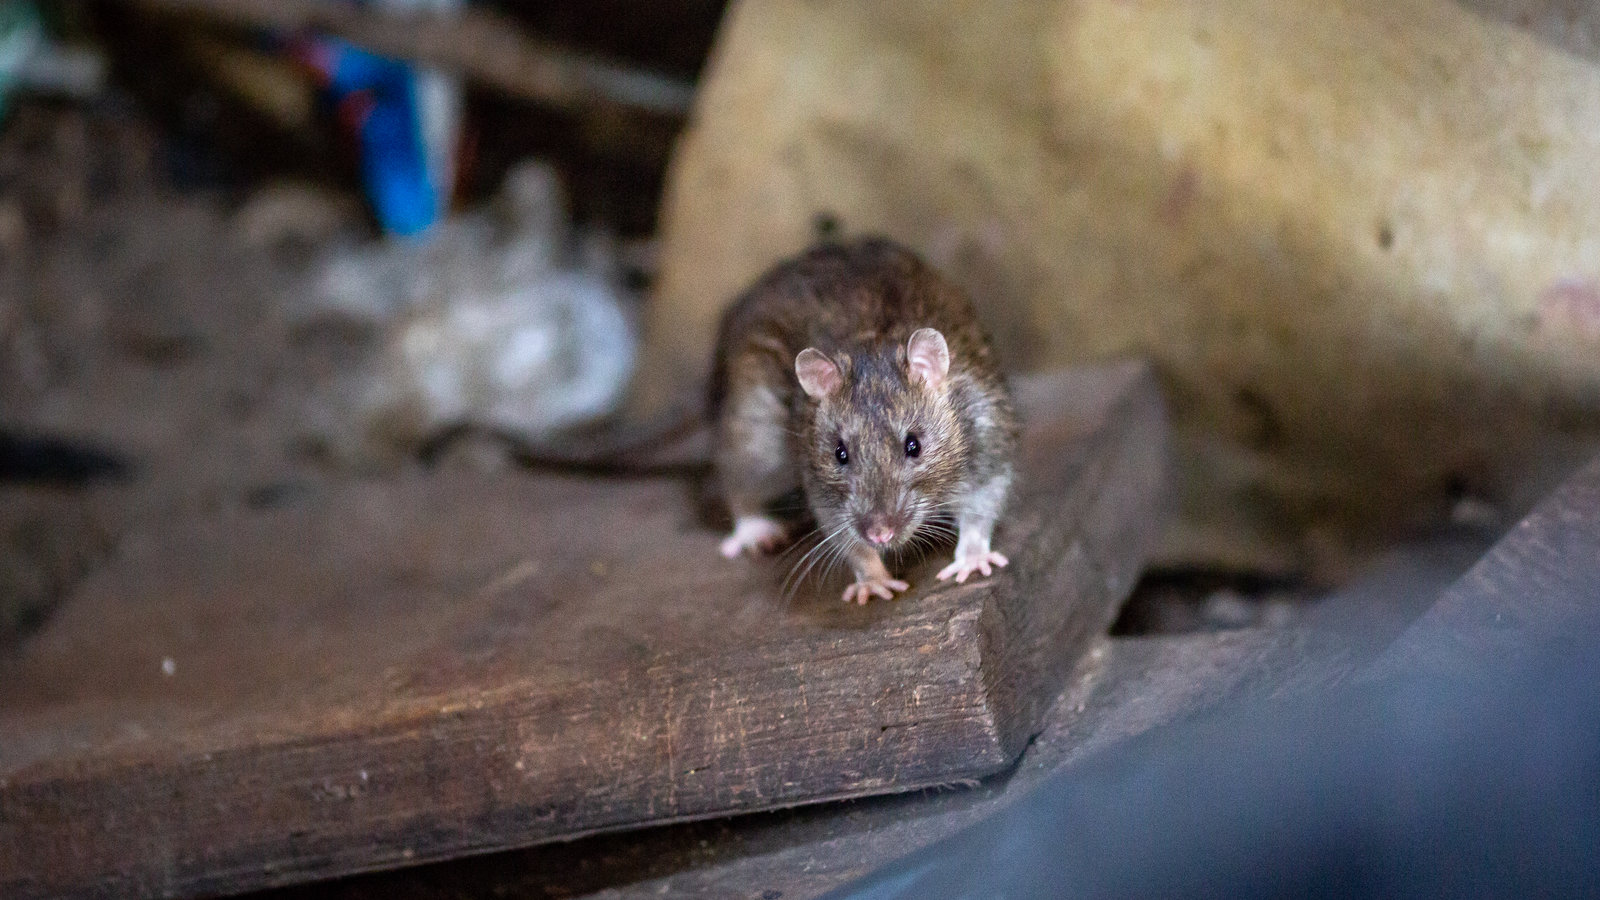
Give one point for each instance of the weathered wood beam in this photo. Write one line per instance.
(1127, 687)
(392, 672)
(1537, 586)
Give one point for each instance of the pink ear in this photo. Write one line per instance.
(818, 375)
(929, 356)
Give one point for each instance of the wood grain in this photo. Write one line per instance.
(385, 673)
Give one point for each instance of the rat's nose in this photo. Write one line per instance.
(879, 531)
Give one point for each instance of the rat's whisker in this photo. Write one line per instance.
(858, 367)
(800, 567)
(841, 553)
(797, 574)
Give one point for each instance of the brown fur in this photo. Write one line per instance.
(858, 303)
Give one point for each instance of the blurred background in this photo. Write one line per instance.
(251, 249)
(246, 246)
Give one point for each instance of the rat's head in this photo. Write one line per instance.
(884, 448)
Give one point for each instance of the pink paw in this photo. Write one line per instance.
(862, 591)
(758, 534)
(986, 562)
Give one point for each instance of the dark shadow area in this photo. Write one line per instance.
(1479, 784)
(34, 459)
(1179, 600)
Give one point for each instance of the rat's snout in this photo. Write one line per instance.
(881, 530)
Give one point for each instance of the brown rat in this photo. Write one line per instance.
(858, 373)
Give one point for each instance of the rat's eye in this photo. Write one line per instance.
(913, 446)
(841, 454)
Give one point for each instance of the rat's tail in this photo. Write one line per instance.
(675, 440)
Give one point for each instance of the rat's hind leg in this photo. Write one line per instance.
(754, 464)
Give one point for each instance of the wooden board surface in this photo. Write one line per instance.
(1123, 688)
(1536, 587)
(384, 673)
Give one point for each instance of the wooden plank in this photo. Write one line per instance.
(1130, 686)
(1124, 688)
(1538, 585)
(392, 672)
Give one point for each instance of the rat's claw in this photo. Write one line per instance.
(862, 591)
(963, 566)
(755, 533)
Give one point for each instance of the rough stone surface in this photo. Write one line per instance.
(1361, 241)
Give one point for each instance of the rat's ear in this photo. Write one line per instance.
(818, 375)
(929, 357)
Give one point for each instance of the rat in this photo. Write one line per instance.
(860, 375)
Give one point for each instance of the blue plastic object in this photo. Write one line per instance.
(375, 98)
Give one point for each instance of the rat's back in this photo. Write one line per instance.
(867, 294)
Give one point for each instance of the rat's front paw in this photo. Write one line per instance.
(985, 561)
(862, 591)
(757, 534)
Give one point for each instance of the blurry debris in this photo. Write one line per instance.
(497, 322)
(270, 84)
(29, 60)
(1182, 601)
(522, 236)
(58, 70)
(277, 494)
(640, 259)
(156, 340)
(13, 230)
(1227, 608)
(295, 214)
(21, 35)
(1281, 611)
(474, 452)
(228, 110)
(48, 540)
(481, 45)
(439, 110)
(25, 365)
(669, 36)
(1473, 511)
